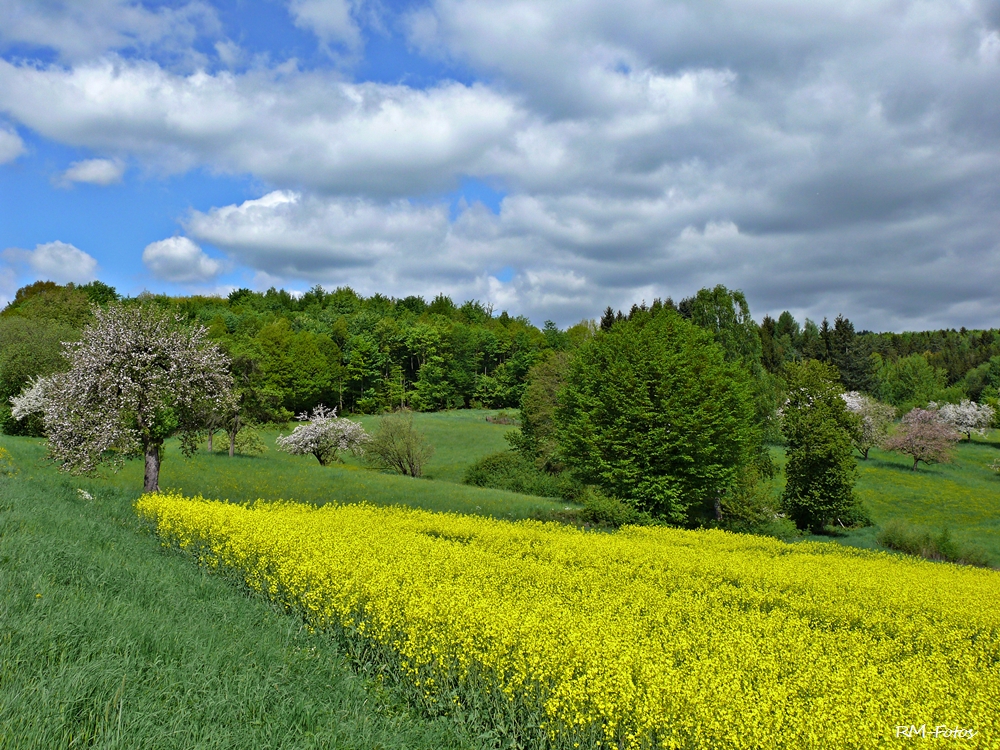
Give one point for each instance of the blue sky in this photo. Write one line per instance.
(548, 157)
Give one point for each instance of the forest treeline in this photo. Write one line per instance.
(370, 354)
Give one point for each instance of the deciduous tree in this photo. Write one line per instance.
(967, 417)
(397, 446)
(874, 417)
(924, 436)
(136, 377)
(324, 436)
(821, 470)
(653, 414)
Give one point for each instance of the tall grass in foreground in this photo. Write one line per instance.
(645, 638)
(900, 536)
(109, 641)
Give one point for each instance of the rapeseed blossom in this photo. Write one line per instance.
(645, 638)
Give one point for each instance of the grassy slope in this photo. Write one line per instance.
(109, 640)
(459, 437)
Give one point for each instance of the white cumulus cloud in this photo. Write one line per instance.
(94, 171)
(56, 261)
(180, 260)
(331, 20)
(309, 129)
(11, 146)
(81, 29)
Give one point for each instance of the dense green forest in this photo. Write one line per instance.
(371, 354)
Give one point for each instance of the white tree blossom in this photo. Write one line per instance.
(967, 417)
(324, 436)
(31, 400)
(875, 419)
(136, 376)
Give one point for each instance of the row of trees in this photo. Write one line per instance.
(289, 354)
(669, 407)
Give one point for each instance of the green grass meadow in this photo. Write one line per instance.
(459, 437)
(962, 497)
(111, 641)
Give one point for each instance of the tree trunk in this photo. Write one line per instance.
(211, 434)
(151, 480)
(915, 462)
(232, 444)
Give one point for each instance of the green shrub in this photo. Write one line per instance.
(397, 446)
(900, 536)
(508, 470)
(249, 442)
(603, 510)
(780, 528)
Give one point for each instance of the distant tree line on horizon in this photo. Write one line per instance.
(371, 354)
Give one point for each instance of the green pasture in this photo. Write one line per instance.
(459, 437)
(962, 497)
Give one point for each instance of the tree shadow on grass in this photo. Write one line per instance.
(878, 463)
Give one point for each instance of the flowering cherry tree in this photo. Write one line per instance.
(136, 377)
(924, 436)
(967, 417)
(324, 436)
(875, 419)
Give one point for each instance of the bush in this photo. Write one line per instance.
(396, 446)
(602, 510)
(899, 536)
(779, 528)
(502, 417)
(508, 470)
(249, 443)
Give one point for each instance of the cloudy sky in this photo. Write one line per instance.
(552, 158)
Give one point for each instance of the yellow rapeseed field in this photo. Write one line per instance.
(644, 638)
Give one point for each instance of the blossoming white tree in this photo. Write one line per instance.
(967, 417)
(29, 401)
(324, 436)
(875, 419)
(136, 377)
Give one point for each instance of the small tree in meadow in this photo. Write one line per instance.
(324, 436)
(967, 417)
(924, 436)
(821, 469)
(875, 418)
(397, 446)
